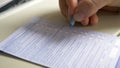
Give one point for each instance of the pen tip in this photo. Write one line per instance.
(72, 22)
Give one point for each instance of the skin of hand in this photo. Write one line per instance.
(85, 11)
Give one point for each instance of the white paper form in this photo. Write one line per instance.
(56, 45)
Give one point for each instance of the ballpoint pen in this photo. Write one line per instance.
(72, 21)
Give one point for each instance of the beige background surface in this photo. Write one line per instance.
(48, 9)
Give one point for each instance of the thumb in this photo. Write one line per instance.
(87, 8)
(72, 4)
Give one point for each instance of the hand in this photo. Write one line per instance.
(84, 11)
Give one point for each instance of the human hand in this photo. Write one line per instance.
(85, 11)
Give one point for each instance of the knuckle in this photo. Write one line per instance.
(91, 4)
(89, 8)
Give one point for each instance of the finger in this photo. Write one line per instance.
(94, 19)
(63, 7)
(85, 22)
(72, 4)
(87, 8)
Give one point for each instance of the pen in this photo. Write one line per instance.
(72, 20)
